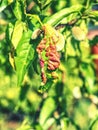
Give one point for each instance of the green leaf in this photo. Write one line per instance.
(89, 75)
(17, 33)
(24, 56)
(9, 32)
(46, 4)
(94, 124)
(43, 3)
(45, 87)
(25, 126)
(93, 41)
(4, 4)
(70, 50)
(38, 127)
(47, 110)
(94, 14)
(36, 65)
(57, 17)
(18, 9)
(73, 16)
(64, 123)
(48, 123)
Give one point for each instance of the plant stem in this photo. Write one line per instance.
(36, 17)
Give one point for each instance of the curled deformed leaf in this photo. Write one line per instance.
(56, 36)
(47, 50)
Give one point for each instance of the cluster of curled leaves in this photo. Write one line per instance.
(48, 49)
(48, 52)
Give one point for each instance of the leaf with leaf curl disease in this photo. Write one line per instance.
(24, 56)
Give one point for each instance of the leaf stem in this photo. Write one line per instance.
(36, 17)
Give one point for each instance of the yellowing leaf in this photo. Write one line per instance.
(60, 43)
(47, 110)
(78, 33)
(57, 37)
(10, 1)
(11, 60)
(17, 33)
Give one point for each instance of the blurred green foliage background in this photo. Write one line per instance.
(71, 103)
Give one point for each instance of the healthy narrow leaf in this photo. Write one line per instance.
(9, 32)
(47, 109)
(57, 17)
(89, 75)
(24, 56)
(18, 9)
